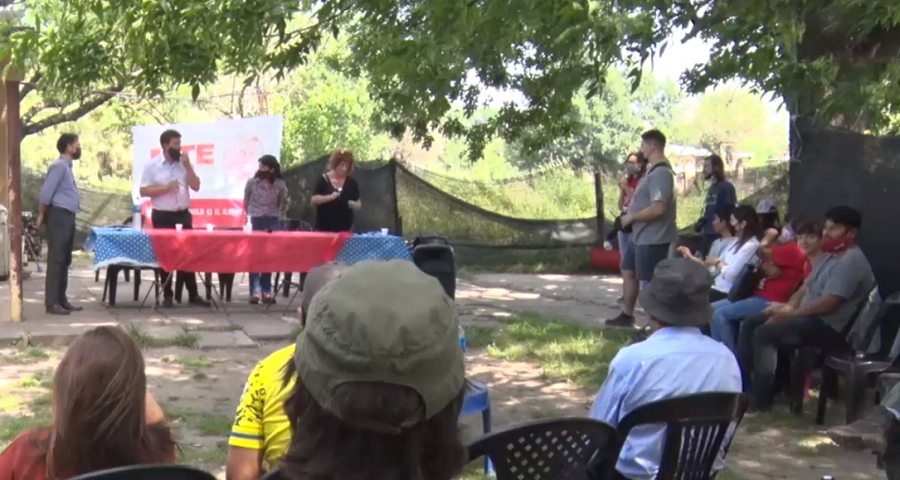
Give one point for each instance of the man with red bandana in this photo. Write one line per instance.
(836, 286)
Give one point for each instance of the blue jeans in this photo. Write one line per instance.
(261, 283)
(727, 317)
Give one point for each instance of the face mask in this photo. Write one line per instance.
(835, 245)
(632, 168)
(265, 175)
(77, 154)
(174, 154)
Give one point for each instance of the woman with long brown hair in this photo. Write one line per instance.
(102, 415)
(336, 194)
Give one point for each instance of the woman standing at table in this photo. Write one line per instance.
(336, 194)
(264, 199)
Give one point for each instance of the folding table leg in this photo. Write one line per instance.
(156, 287)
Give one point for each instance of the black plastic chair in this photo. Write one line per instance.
(859, 369)
(805, 360)
(696, 429)
(437, 260)
(148, 472)
(555, 449)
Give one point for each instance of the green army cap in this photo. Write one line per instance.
(387, 322)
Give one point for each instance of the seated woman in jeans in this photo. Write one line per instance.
(264, 199)
(785, 265)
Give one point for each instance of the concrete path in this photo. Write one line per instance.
(483, 298)
(207, 328)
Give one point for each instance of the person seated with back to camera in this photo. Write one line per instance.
(381, 380)
(784, 267)
(675, 360)
(261, 432)
(102, 415)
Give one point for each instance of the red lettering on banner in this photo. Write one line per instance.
(204, 153)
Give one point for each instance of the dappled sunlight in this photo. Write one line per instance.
(555, 278)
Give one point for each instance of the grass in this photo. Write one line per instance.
(25, 356)
(563, 351)
(209, 424)
(204, 458)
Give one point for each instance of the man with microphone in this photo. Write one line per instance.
(166, 180)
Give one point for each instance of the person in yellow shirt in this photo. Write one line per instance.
(261, 432)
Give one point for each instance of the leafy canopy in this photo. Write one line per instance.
(833, 59)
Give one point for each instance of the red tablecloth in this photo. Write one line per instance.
(233, 251)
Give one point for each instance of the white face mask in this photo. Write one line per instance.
(632, 168)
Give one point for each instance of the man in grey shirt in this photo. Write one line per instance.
(651, 218)
(836, 287)
(59, 203)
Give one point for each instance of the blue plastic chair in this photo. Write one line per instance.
(477, 399)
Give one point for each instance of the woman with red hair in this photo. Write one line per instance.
(336, 194)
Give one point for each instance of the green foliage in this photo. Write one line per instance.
(324, 110)
(431, 62)
(607, 126)
(730, 121)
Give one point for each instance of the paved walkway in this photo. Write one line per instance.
(244, 326)
(483, 299)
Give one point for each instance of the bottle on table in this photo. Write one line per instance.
(248, 227)
(136, 217)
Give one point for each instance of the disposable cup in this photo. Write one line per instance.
(178, 227)
(210, 227)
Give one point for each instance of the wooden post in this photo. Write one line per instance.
(14, 169)
(598, 199)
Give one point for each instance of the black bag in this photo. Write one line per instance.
(747, 281)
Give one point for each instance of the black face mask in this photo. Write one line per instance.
(174, 154)
(77, 154)
(265, 175)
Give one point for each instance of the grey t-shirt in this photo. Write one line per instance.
(847, 275)
(656, 186)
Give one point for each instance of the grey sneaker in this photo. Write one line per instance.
(868, 432)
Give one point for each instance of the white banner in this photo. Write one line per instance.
(224, 154)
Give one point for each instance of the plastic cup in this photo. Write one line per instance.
(178, 227)
(210, 227)
(384, 231)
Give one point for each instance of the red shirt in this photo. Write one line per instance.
(20, 460)
(794, 266)
(632, 184)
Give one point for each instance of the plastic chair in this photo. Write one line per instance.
(148, 472)
(805, 360)
(859, 369)
(554, 449)
(437, 260)
(696, 426)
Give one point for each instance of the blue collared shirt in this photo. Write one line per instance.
(673, 362)
(59, 188)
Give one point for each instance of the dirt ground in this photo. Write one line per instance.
(199, 392)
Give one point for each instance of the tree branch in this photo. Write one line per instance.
(71, 115)
(30, 86)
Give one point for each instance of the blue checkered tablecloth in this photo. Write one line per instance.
(373, 246)
(126, 246)
(120, 246)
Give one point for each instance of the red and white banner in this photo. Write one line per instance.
(224, 154)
